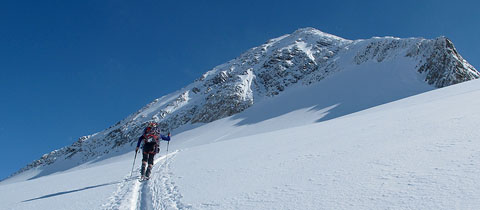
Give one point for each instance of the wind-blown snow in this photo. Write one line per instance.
(307, 50)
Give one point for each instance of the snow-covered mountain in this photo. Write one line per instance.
(305, 121)
(355, 75)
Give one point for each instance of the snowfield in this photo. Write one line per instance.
(421, 152)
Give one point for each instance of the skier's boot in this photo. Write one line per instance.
(147, 174)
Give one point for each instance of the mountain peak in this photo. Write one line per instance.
(310, 31)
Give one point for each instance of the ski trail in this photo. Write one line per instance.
(145, 200)
(126, 196)
(165, 193)
(157, 193)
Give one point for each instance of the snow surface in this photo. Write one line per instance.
(296, 151)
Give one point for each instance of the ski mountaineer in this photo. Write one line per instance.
(151, 136)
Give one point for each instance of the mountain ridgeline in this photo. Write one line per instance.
(304, 57)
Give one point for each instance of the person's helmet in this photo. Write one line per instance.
(152, 124)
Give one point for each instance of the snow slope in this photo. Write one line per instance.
(421, 152)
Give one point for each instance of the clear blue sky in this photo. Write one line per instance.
(73, 68)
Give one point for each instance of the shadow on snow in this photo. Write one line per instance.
(70, 191)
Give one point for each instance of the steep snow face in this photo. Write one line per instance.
(305, 57)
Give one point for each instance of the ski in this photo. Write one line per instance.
(142, 179)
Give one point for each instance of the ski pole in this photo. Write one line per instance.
(166, 156)
(131, 172)
(168, 143)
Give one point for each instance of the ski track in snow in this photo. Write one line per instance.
(160, 192)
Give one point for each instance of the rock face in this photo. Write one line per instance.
(444, 66)
(304, 57)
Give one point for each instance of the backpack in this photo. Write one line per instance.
(151, 134)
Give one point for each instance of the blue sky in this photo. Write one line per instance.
(73, 68)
